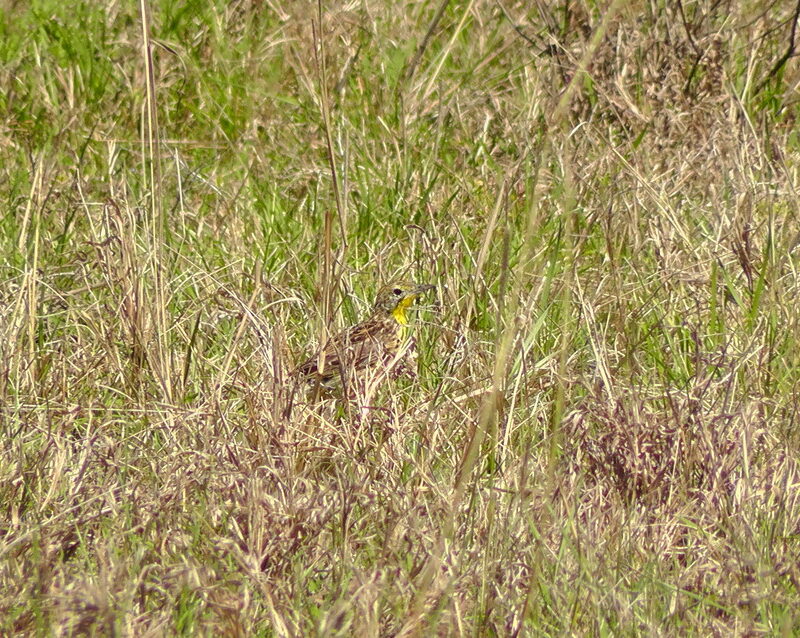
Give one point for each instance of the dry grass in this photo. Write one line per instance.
(602, 439)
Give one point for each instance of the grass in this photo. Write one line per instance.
(602, 438)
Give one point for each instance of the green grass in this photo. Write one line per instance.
(602, 438)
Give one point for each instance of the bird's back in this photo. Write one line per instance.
(365, 346)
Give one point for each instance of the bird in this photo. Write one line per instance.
(366, 354)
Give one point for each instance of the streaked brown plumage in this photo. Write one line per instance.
(371, 350)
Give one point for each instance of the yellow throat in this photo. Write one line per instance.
(399, 312)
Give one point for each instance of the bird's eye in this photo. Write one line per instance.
(397, 292)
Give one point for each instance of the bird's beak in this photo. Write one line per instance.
(421, 289)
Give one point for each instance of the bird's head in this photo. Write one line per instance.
(397, 297)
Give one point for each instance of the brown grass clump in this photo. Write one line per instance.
(643, 452)
(689, 488)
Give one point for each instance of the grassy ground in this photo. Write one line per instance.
(603, 436)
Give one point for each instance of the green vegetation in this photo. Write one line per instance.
(602, 439)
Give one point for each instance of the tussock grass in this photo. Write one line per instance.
(602, 439)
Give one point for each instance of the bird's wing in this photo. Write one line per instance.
(357, 347)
